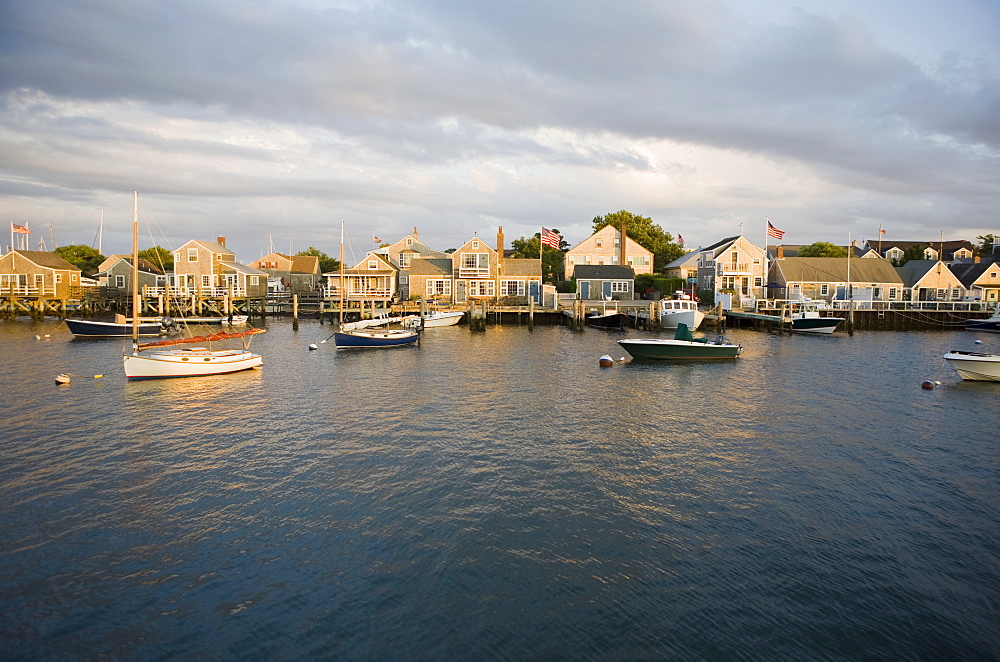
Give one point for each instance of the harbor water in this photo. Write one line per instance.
(498, 495)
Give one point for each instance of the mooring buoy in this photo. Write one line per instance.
(312, 347)
(606, 361)
(927, 385)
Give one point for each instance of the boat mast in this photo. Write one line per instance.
(135, 275)
(341, 288)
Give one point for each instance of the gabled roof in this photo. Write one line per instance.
(48, 260)
(945, 250)
(425, 266)
(211, 246)
(719, 244)
(834, 270)
(144, 265)
(914, 270)
(968, 273)
(603, 272)
(687, 260)
(243, 269)
(519, 266)
(305, 264)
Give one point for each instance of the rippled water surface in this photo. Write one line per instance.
(500, 496)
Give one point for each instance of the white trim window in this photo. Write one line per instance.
(438, 287)
(619, 286)
(512, 288)
(824, 289)
(893, 293)
(481, 288)
(254, 280)
(206, 280)
(192, 255)
(119, 281)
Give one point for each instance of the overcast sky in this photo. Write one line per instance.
(269, 122)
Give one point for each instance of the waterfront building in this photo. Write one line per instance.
(981, 279)
(209, 269)
(832, 278)
(733, 266)
(38, 274)
(402, 254)
(293, 274)
(930, 280)
(606, 282)
(372, 281)
(605, 247)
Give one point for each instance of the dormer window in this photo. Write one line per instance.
(409, 241)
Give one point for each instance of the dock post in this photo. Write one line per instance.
(295, 312)
(654, 318)
(531, 313)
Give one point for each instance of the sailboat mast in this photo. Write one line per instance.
(135, 274)
(341, 306)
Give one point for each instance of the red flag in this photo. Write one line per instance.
(550, 238)
(881, 231)
(774, 232)
(680, 240)
(19, 229)
(376, 240)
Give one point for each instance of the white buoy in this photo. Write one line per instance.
(312, 347)
(606, 361)
(38, 337)
(62, 379)
(979, 342)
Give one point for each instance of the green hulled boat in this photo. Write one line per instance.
(682, 346)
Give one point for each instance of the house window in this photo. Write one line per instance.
(600, 259)
(439, 287)
(255, 280)
(39, 280)
(894, 254)
(618, 242)
(119, 281)
(599, 241)
(192, 255)
(824, 289)
(614, 259)
(955, 294)
(206, 280)
(619, 286)
(475, 261)
(58, 278)
(372, 265)
(409, 241)
(219, 256)
(586, 259)
(512, 288)
(941, 294)
(892, 293)
(877, 293)
(475, 243)
(403, 280)
(757, 281)
(404, 260)
(481, 288)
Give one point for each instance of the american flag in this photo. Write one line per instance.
(19, 229)
(680, 239)
(774, 232)
(550, 238)
(376, 240)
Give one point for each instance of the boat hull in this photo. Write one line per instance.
(816, 324)
(436, 319)
(669, 319)
(606, 320)
(374, 338)
(667, 349)
(989, 324)
(188, 362)
(92, 329)
(975, 367)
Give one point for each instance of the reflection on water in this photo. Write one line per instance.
(500, 495)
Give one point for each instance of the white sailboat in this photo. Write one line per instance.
(151, 361)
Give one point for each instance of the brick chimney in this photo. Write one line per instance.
(500, 240)
(780, 255)
(622, 260)
(221, 241)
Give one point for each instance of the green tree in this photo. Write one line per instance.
(326, 263)
(822, 249)
(84, 257)
(158, 256)
(987, 241)
(913, 252)
(552, 259)
(647, 234)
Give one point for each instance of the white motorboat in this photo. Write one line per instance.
(434, 318)
(683, 310)
(973, 366)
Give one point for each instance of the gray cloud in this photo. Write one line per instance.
(251, 120)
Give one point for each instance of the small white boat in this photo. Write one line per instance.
(189, 362)
(680, 311)
(973, 366)
(434, 318)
